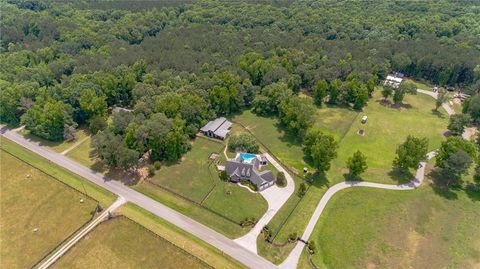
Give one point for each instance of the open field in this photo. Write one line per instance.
(31, 199)
(103, 196)
(122, 243)
(385, 129)
(190, 243)
(55, 146)
(374, 228)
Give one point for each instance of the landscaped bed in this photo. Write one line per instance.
(122, 243)
(38, 212)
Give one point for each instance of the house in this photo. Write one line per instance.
(218, 128)
(393, 80)
(246, 167)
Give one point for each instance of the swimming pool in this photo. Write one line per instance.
(247, 157)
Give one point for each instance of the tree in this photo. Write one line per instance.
(121, 120)
(113, 150)
(281, 180)
(223, 176)
(96, 124)
(452, 145)
(411, 152)
(472, 106)
(297, 114)
(357, 164)
(321, 148)
(453, 168)
(302, 189)
(334, 91)
(387, 91)
(93, 103)
(400, 91)
(441, 98)
(48, 120)
(458, 122)
(270, 97)
(176, 144)
(320, 92)
(244, 142)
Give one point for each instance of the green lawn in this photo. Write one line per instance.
(420, 85)
(122, 243)
(31, 199)
(190, 177)
(81, 154)
(55, 146)
(385, 129)
(194, 179)
(372, 228)
(73, 180)
(179, 237)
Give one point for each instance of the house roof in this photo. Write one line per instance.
(248, 171)
(220, 127)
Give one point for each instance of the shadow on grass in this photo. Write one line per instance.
(318, 180)
(473, 192)
(350, 177)
(401, 175)
(441, 189)
(438, 113)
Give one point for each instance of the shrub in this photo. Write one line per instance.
(281, 180)
(311, 247)
(157, 165)
(223, 176)
(151, 170)
(245, 142)
(292, 237)
(302, 189)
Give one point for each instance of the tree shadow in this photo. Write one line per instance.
(317, 179)
(129, 177)
(401, 175)
(473, 192)
(438, 114)
(440, 189)
(350, 177)
(287, 137)
(384, 102)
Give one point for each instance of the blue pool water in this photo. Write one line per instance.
(247, 157)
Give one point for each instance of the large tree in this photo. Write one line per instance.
(357, 164)
(320, 92)
(111, 148)
(297, 114)
(458, 122)
(321, 148)
(452, 145)
(49, 120)
(411, 152)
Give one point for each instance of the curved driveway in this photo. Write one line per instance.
(294, 256)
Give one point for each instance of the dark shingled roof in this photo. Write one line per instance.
(248, 171)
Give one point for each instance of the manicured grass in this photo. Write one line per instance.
(186, 241)
(55, 146)
(122, 243)
(81, 154)
(287, 148)
(224, 199)
(31, 199)
(235, 202)
(385, 129)
(190, 177)
(420, 85)
(373, 228)
(103, 196)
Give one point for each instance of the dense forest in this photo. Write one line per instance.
(175, 65)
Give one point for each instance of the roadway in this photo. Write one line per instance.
(197, 229)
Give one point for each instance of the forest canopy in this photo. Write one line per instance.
(183, 63)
